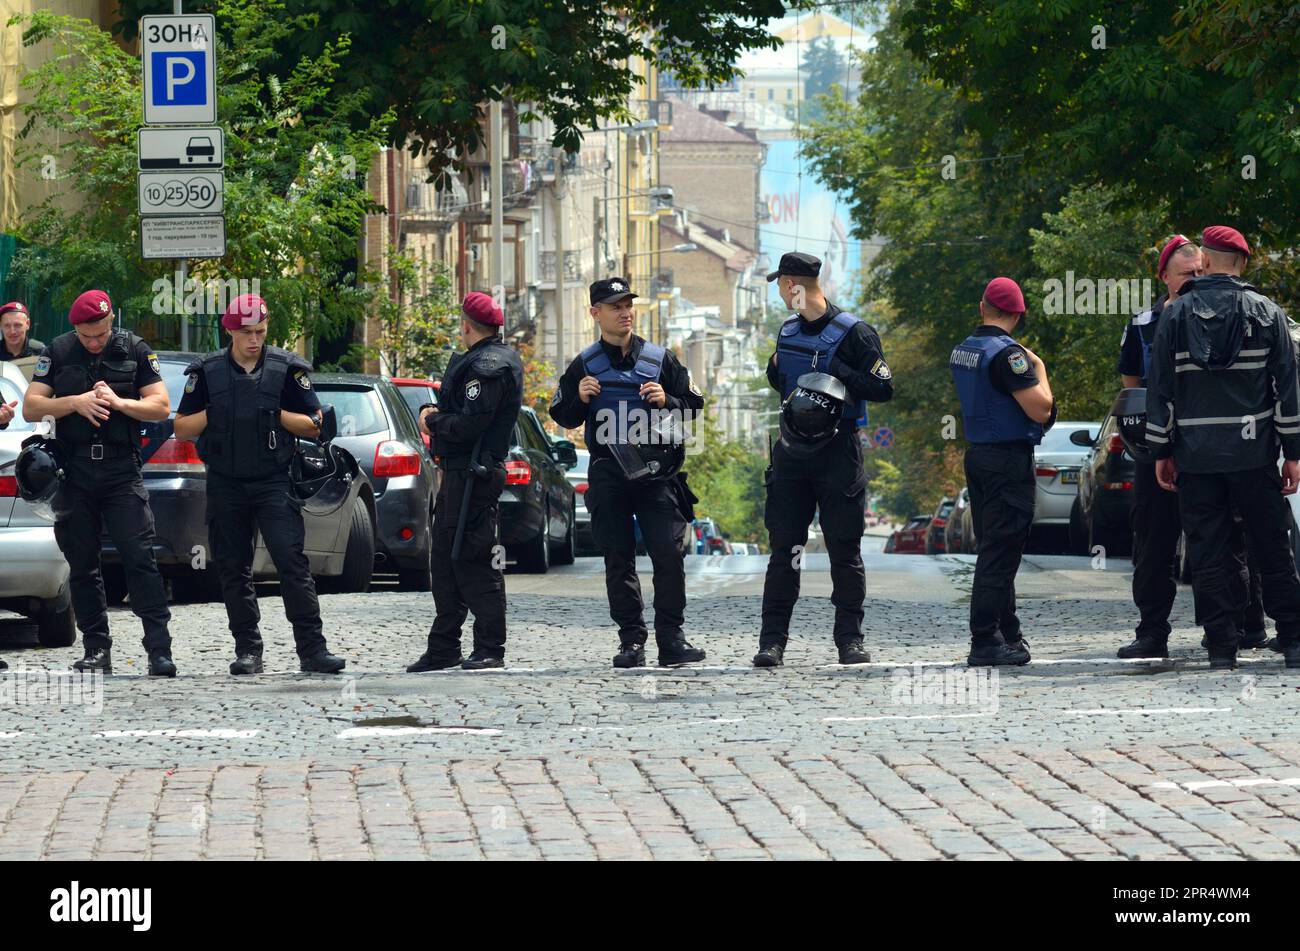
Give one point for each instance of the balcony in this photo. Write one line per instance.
(572, 267)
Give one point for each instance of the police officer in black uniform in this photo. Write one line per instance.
(98, 384)
(622, 376)
(1154, 517)
(246, 405)
(824, 475)
(14, 326)
(1006, 406)
(1223, 397)
(469, 432)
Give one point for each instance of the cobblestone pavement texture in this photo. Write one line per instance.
(559, 756)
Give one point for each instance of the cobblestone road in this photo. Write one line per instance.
(1075, 756)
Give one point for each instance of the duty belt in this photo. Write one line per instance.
(99, 450)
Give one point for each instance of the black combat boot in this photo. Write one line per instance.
(1145, 646)
(854, 653)
(428, 662)
(771, 656)
(246, 664)
(481, 661)
(321, 663)
(997, 654)
(679, 652)
(161, 665)
(101, 659)
(630, 655)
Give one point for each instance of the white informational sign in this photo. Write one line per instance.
(202, 236)
(181, 193)
(180, 69)
(194, 148)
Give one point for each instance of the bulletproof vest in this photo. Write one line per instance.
(799, 352)
(987, 414)
(485, 362)
(79, 371)
(1144, 325)
(243, 438)
(619, 400)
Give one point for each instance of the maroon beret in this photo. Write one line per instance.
(246, 310)
(1223, 238)
(479, 308)
(13, 307)
(1004, 294)
(1172, 245)
(92, 305)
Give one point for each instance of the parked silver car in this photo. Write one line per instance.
(577, 476)
(1057, 462)
(33, 572)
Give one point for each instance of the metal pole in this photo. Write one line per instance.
(497, 147)
(559, 276)
(177, 8)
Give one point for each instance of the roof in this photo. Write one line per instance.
(692, 124)
(736, 256)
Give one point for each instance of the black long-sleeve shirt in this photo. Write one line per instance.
(568, 409)
(859, 363)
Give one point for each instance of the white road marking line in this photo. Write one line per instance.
(1103, 711)
(915, 716)
(1228, 783)
(357, 732)
(221, 734)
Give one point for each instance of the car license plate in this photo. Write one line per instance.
(1070, 477)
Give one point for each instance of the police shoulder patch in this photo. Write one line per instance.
(880, 370)
(43, 364)
(153, 363)
(303, 379)
(191, 381)
(472, 389)
(1018, 362)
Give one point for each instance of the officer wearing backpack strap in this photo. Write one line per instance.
(827, 364)
(1006, 406)
(618, 385)
(470, 432)
(247, 404)
(99, 384)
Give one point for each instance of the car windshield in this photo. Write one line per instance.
(359, 411)
(946, 508)
(1058, 439)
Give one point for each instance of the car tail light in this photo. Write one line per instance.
(580, 488)
(1117, 486)
(176, 453)
(1046, 472)
(939, 522)
(8, 487)
(393, 459)
(1116, 443)
(518, 472)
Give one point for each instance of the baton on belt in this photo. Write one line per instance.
(474, 471)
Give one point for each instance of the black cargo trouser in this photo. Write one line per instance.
(1001, 482)
(474, 581)
(833, 483)
(662, 510)
(108, 494)
(1206, 502)
(237, 509)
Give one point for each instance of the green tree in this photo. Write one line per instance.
(294, 204)
(823, 68)
(418, 318)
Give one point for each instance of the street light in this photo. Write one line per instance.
(675, 249)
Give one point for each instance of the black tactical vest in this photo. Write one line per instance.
(79, 371)
(486, 361)
(243, 438)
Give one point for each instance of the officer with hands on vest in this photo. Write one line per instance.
(246, 405)
(619, 381)
(98, 384)
(1223, 396)
(1006, 406)
(827, 364)
(470, 432)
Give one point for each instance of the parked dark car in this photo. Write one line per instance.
(1100, 515)
(910, 539)
(339, 545)
(378, 428)
(970, 542)
(935, 537)
(954, 531)
(538, 510)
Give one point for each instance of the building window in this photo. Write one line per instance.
(771, 94)
(789, 94)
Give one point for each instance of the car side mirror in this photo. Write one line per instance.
(564, 452)
(329, 424)
(1081, 437)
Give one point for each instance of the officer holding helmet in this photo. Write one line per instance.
(469, 432)
(1006, 406)
(245, 405)
(633, 398)
(98, 384)
(827, 364)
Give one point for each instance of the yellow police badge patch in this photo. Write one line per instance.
(42, 366)
(1018, 362)
(153, 363)
(303, 380)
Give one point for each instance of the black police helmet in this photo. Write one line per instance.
(811, 414)
(656, 450)
(1130, 411)
(41, 469)
(321, 476)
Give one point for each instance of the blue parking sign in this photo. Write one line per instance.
(179, 78)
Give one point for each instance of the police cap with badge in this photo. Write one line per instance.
(796, 264)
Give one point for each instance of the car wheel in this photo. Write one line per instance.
(114, 584)
(55, 624)
(565, 554)
(535, 555)
(359, 558)
(421, 578)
